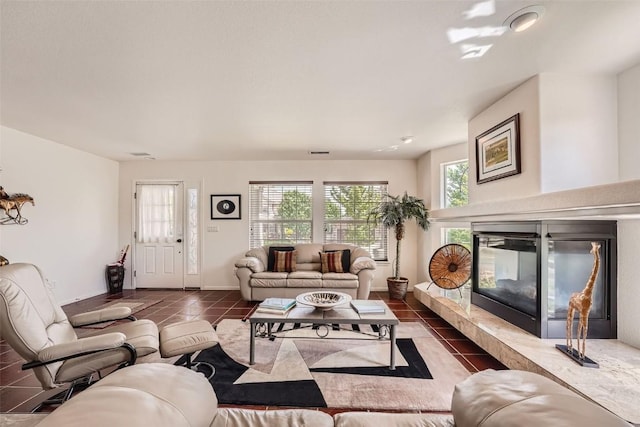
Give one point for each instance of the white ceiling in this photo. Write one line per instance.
(207, 80)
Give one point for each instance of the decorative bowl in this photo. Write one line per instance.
(323, 300)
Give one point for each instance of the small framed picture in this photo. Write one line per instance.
(498, 151)
(225, 206)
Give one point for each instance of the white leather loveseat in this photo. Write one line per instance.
(258, 280)
(163, 395)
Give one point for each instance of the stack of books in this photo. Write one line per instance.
(364, 306)
(276, 305)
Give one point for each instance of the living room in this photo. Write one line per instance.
(579, 142)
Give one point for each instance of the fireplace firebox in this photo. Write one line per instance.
(526, 271)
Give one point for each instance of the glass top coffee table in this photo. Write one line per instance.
(342, 314)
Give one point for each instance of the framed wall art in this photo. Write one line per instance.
(498, 151)
(225, 206)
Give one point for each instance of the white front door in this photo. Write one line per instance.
(159, 235)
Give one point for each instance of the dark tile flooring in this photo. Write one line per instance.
(20, 391)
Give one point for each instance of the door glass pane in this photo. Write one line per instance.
(157, 221)
(192, 231)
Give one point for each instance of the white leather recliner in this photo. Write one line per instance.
(37, 328)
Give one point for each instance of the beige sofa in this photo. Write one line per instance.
(258, 283)
(159, 395)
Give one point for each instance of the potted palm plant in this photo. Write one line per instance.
(393, 212)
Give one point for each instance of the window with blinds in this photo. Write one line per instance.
(346, 208)
(280, 213)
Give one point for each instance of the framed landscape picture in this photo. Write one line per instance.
(225, 206)
(498, 151)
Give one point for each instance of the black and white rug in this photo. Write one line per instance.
(303, 370)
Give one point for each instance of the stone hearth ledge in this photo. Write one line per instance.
(614, 386)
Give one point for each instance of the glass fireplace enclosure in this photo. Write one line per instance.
(526, 272)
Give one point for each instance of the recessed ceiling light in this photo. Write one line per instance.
(524, 18)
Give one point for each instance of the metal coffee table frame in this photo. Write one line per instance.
(342, 314)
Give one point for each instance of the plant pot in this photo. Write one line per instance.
(397, 287)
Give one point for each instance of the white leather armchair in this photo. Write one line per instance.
(37, 328)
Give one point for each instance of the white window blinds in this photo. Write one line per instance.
(280, 213)
(346, 208)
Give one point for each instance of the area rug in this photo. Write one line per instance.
(134, 305)
(350, 372)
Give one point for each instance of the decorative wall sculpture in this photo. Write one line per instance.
(12, 206)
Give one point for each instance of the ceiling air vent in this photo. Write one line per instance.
(318, 153)
(140, 154)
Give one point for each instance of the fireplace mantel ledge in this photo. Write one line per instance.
(612, 201)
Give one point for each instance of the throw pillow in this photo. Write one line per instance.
(331, 262)
(271, 257)
(346, 259)
(284, 261)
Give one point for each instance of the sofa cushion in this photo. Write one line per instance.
(268, 279)
(367, 419)
(495, 398)
(554, 410)
(308, 252)
(308, 266)
(284, 261)
(339, 280)
(272, 256)
(304, 279)
(332, 262)
(149, 394)
(236, 417)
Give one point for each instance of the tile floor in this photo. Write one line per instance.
(20, 391)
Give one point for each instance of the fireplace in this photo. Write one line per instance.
(526, 271)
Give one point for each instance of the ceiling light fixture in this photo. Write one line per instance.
(524, 18)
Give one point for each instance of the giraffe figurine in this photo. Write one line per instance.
(581, 302)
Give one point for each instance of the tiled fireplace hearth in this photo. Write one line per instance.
(615, 385)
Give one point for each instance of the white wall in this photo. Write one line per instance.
(628, 283)
(221, 249)
(578, 131)
(524, 100)
(430, 188)
(629, 123)
(568, 136)
(72, 230)
(439, 156)
(425, 189)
